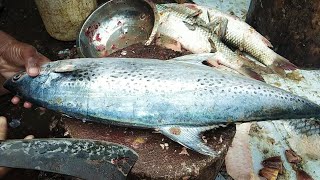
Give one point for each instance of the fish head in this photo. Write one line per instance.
(14, 84)
(22, 84)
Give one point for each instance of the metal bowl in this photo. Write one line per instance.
(116, 25)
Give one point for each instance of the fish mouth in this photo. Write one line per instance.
(11, 84)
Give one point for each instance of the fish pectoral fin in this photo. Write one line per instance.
(195, 14)
(189, 137)
(243, 69)
(221, 29)
(213, 45)
(190, 26)
(218, 25)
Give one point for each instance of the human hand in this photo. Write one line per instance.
(3, 136)
(16, 56)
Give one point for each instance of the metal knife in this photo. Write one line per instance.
(87, 159)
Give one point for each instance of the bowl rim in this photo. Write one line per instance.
(148, 41)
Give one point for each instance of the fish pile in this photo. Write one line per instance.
(202, 30)
(180, 97)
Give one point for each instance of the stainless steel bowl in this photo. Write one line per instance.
(116, 25)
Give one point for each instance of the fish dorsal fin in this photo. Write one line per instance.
(64, 69)
(189, 137)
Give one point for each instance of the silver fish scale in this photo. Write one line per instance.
(230, 59)
(256, 48)
(153, 93)
(238, 34)
(243, 36)
(181, 21)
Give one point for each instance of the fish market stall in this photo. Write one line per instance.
(213, 99)
(159, 156)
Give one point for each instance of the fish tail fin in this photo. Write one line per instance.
(280, 64)
(243, 69)
(266, 42)
(189, 137)
(247, 71)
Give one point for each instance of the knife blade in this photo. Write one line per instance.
(87, 159)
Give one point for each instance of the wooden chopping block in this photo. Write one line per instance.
(159, 157)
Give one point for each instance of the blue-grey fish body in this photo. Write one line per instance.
(180, 98)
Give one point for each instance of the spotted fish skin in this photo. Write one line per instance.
(149, 93)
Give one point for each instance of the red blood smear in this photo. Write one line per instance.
(98, 37)
(100, 47)
(90, 31)
(104, 54)
(113, 47)
(192, 6)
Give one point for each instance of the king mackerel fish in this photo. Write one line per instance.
(179, 97)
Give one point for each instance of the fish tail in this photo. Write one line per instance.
(247, 71)
(266, 42)
(254, 64)
(280, 64)
(243, 69)
(307, 127)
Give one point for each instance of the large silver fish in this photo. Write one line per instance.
(179, 97)
(234, 31)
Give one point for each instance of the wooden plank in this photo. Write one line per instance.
(159, 157)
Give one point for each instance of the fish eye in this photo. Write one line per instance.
(17, 77)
